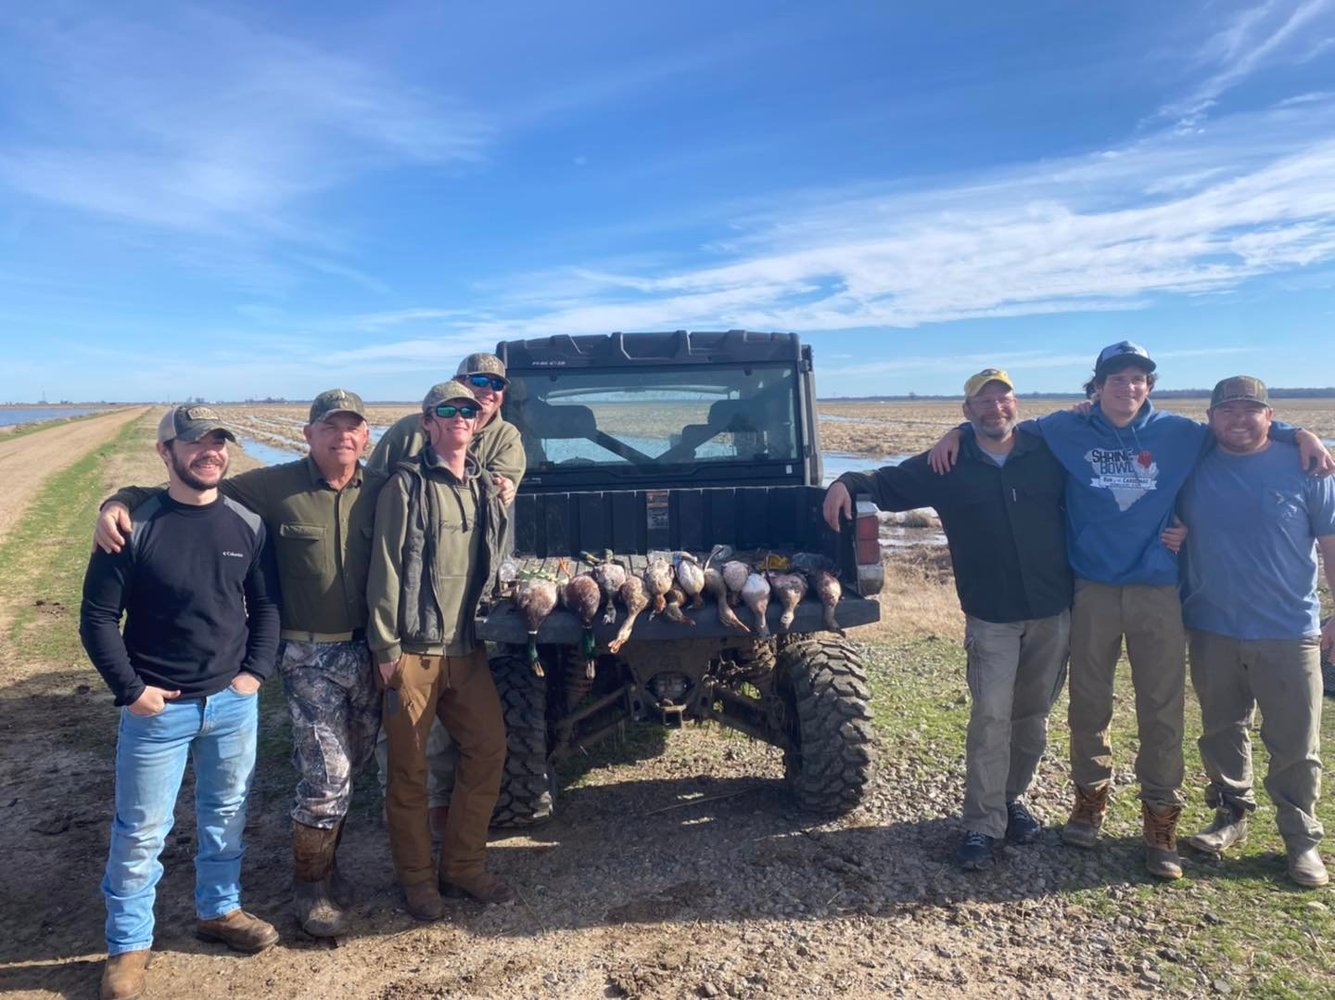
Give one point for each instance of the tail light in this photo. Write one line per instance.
(867, 547)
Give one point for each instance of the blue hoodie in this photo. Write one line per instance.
(1122, 485)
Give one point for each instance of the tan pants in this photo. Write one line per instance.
(1283, 676)
(1150, 618)
(460, 692)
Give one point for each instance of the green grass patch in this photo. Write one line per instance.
(1240, 921)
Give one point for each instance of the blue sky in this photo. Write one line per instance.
(232, 200)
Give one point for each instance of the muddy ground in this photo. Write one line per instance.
(675, 868)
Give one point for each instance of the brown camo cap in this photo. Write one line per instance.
(481, 364)
(190, 423)
(1243, 387)
(333, 401)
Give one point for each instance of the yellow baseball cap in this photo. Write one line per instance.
(976, 382)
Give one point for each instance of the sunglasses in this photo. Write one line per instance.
(483, 381)
(449, 410)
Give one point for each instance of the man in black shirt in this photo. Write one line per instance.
(1001, 507)
(199, 590)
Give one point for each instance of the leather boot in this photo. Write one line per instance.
(312, 863)
(1091, 805)
(124, 975)
(239, 930)
(423, 900)
(483, 887)
(1160, 824)
(1228, 827)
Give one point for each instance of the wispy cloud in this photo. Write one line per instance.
(1258, 37)
(199, 122)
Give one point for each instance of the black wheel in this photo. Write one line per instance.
(824, 688)
(528, 788)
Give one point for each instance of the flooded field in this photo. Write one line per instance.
(13, 416)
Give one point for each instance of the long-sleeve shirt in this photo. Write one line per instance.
(199, 591)
(1004, 525)
(322, 540)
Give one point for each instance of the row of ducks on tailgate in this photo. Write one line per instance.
(666, 587)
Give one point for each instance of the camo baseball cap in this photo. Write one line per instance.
(191, 422)
(1243, 387)
(976, 382)
(482, 364)
(333, 401)
(444, 392)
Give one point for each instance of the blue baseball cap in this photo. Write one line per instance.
(1120, 355)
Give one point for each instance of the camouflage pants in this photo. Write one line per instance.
(335, 709)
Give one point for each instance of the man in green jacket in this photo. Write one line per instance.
(438, 530)
(498, 449)
(319, 509)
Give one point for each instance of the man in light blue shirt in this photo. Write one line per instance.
(1249, 601)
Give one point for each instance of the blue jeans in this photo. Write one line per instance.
(219, 732)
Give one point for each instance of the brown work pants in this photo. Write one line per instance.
(460, 692)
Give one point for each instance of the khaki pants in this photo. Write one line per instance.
(1283, 676)
(1150, 618)
(460, 692)
(1015, 672)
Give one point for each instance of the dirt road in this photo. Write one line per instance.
(27, 461)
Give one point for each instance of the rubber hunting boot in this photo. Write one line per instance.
(1161, 858)
(124, 975)
(438, 815)
(1091, 805)
(312, 868)
(1229, 827)
(340, 888)
(1307, 869)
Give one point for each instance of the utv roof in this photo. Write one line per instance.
(679, 347)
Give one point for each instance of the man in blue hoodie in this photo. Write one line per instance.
(1126, 462)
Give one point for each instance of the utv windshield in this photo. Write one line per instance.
(655, 417)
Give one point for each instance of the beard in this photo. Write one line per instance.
(188, 476)
(995, 431)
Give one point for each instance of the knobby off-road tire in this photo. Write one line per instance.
(528, 789)
(824, 687)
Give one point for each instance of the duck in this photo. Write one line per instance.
(755, 592)
(631, 595)
(583, 597)
(691, 578)
(717, 589)
(790, 588)
(535, 597)
(735, 572)
(672, 610)
(658, 579)
(610, 576)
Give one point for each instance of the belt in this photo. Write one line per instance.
(297, 635)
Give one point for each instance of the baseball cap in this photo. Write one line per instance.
(333, 401)
(1119, 355)
(443, 392)
(976, 382)
(482, 364)
(1242, 387)
(190, 423)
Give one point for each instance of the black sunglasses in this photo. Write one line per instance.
(482, 381)
(448, 410)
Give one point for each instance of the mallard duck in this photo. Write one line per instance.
(657, 579)
(583, 597)
(790, 588)
(535, 597)
(717, 589)
(756, 595)
(631, 595)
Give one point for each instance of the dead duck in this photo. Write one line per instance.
(672, 608)
(658, 579)
(631, 595)
(717, 589)
(583, 597)
(789, 588)
(691, 578)
(535, 597)
(610, 576)
(829, 590)
(756, 595)
(735, 573)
